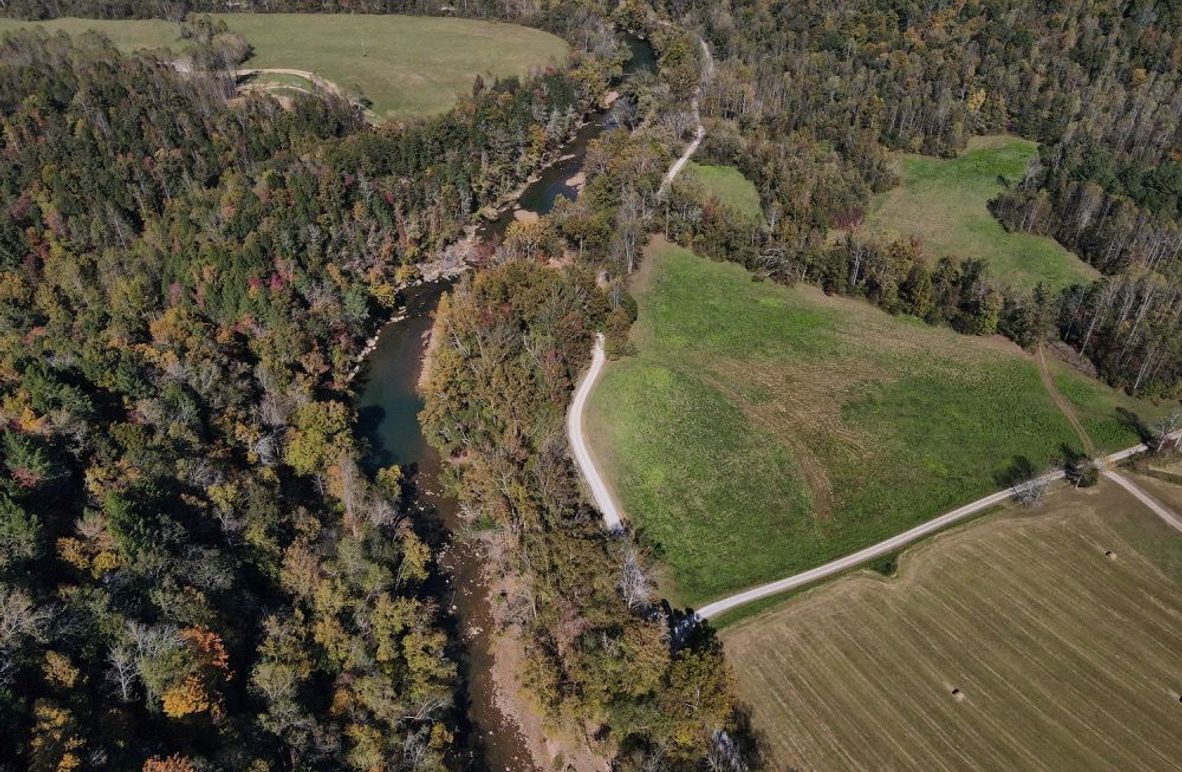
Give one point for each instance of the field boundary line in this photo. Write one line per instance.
(927, 528)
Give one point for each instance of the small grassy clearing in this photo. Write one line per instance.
(943, 202)
(1023, 641)
(730, 186)
(762, 430)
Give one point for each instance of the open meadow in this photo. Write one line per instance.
(405, 66)
(1043, 639)
(944, 202)
(761, 430)
(729, 185)
(126, 34)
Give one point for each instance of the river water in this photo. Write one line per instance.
(388, 405)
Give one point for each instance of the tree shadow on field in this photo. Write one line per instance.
(1020, 470)
(1133, 423)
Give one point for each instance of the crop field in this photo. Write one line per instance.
(944, 203)
(127, 35)
(405, 66)
(761, 430)
(729, 185)
(1044, 640)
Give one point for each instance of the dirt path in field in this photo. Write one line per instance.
(1065, 407)
(700, 131)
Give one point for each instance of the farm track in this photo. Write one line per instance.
(574, 422)
(578, 441)
(898, 541)
(1065, 407)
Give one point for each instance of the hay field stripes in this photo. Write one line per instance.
(1153, 504)
(1065, 658)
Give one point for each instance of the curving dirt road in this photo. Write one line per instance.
(574, 417)
(924, 529)
(578, 441)
(699, 132)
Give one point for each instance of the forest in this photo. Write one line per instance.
(194, 571)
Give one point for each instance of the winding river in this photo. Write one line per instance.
(388, 403)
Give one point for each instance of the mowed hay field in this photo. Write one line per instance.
(762, 430)
(943, 202)
(1066, 658)
(406, 66)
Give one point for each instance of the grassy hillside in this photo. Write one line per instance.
(729, 185)
(406, 66)
(1058, 631)
(762, 430)
(943, 202)
(127, 35)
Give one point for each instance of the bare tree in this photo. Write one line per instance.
(122, 673)
(634, 584)
(724, 755)
(1164, 428)
(1031, 492)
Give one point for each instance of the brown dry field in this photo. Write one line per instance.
(1066, 657)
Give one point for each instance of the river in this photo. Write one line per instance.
(388, 404)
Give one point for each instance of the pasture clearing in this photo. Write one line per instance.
(944, 203)
(762, 430)
(407, 66)
(126, 34)
(730, 187)
(1028, 640)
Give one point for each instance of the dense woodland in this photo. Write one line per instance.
(602, 653)
(194, 572)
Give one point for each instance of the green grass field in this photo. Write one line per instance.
(407, 66)
(944, 203)
(1058, 631)
(127, 35)
(762, 430)
(730, 186)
